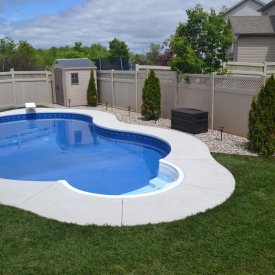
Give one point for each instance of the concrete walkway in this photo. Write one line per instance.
(206, 184)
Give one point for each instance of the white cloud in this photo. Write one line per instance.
(139, 23)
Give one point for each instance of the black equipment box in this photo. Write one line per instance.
(189, 120)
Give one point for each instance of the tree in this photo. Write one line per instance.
(92, 92)
(166, 54)
(261, 126)
(151, 97)
(7, 53)
(118, 48)
(19, 56)
(152, 55)
(97, 51)
(7, 46)
(78, 46)
(139, 59)
(204, 37)
(186, 59)
(71, 53)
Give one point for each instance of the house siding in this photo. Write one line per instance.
(247, 8)
(270, 11)
(255, 49)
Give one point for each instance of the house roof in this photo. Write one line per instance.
(76, 63)
(253, 24)
(241, 2)
(268, 5)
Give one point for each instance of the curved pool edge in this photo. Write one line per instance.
(164, 165)
(206, 184)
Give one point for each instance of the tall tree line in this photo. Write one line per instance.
(22, 56)
(198, 46)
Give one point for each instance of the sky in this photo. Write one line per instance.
(47, 23)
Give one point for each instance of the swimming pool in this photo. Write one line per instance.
(201, 183)
(70, 148)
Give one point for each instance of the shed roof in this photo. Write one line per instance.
(76, 63)
(268, 5)
(253, 24)
(240, 3)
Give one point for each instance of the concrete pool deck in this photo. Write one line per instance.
(205, 185)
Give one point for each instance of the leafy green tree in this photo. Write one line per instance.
(152, 55)
(27, 50)
(92, 92)
(7, 46)
(118, 48)
(206, 36)
(7, 53)
(261, 126)
(78, 46)
(151, 97)
(19, 56)
(186, 59)
(97, 51)
(139, 59)
(71, 54)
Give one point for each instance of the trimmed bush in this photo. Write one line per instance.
(151, 97)
(92, 92)
(261, 133)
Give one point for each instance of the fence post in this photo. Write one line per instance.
(265, 68)
(264, 77)
(47, 86)
(147, 73)
(136, 79)
(13, 87)
(112, 83)
(176, 90)
(212, 99)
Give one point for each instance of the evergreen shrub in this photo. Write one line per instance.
(261, 126)
(92, 92)
(151, 97)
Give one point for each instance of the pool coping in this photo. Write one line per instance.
(205, 185)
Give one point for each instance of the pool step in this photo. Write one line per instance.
(157, 183)
(167, 176)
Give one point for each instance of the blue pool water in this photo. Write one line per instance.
(55, 146)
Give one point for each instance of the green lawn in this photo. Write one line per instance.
(237, 237)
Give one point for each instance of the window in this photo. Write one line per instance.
(74, 79)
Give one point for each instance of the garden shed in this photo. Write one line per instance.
(70, 81)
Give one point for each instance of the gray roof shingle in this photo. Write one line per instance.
(253, 24)
(76, 63)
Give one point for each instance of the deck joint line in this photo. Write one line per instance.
(34, 195)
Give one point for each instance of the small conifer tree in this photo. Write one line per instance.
(92, 92)
(261, 133)
(151, 98)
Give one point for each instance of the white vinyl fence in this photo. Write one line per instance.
(247, 68)
(227, 99)
(16, 88)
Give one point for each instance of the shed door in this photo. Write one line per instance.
(59, 87)
(256, 49)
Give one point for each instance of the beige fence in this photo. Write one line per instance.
(226, 98)
(247, 68)
(16, 88)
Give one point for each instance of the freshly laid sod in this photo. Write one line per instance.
(237, 237)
